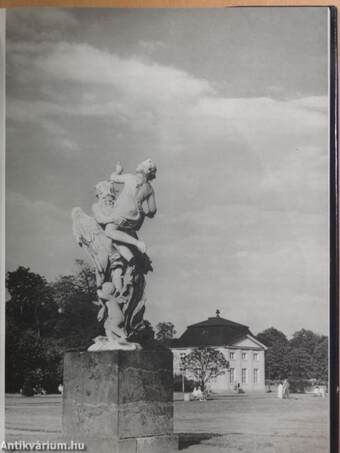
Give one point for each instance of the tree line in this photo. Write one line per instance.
(303, 357)
(45, 319)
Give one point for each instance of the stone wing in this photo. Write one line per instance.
(91, 236)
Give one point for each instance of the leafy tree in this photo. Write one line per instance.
(31, 304)
(53, 364)
(205, 364)
(13, 373)
(86, 278)
(321, 360)
(304, 356)
(276, 363)
(38, 364)
(165, 332)
(31, 316)
(145, 337)
(300, 363)
(24, 356)
(27, 388)
(305, 339)
(308, 356)
(75, 296)
(42, 321)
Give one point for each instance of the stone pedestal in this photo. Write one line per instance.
(119, 401)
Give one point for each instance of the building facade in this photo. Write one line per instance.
(245, 354)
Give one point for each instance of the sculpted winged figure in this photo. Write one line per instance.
(120, 259)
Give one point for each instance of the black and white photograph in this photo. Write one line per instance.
(168, 227)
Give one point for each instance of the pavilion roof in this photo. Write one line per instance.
(215, 331)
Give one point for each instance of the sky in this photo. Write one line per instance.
(232, 105)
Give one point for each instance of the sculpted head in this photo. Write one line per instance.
(105, 191)
(148, 168)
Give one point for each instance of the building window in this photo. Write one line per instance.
(244, 376)
(232, 375)
(256, 376)
(232, 355)
(256, 356)
(244, 356)
(181, 360)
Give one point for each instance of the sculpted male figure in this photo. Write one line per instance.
(121, 218)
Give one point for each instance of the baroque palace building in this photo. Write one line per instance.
(243, 351)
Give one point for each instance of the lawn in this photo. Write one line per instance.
(258, 423)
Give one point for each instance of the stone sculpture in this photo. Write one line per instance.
(120, 259)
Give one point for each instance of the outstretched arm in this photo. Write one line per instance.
(117, 175)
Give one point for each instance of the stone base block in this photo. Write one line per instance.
(119, 401)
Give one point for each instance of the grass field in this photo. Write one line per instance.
(258, 423)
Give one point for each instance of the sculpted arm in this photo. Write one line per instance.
(117, 175)
(151, 207)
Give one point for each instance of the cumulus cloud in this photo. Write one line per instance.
(158, 86)
(183, 115)
(85, 64)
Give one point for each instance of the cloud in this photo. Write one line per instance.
(39, 235)
(24, 51)
(38, 24)
(29, 110)
(149, 47)
(246, 261)
(184, 116)
(242, 185)
(85, 64)
(80, 80)
(313, 103)
(257, 119)
(100, 83)
(43, 115)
